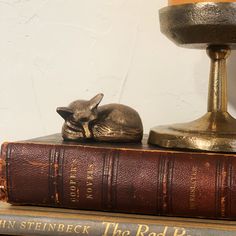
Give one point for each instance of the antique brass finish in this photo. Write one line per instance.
(86, 120)
(217, 96)
(200, 25)
(216, 130)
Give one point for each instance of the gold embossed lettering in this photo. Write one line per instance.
(193, 186)
(113, 230)
(7, 224)
(52, 227)
(60, 228)
(11, 224)
(73, 185)
(116, 231)
(38, 226)
(89, 196)
(72, 188)
(2, 224)
(23, 225)
(180, 232)
(69, 228)
(49, 227)
(126, 233)
(29, 225)
(164, 232)
(77, 229)
(44, 226)
(89, 182)
(223, 197)
(86, 229)
(142, 229)
(107, 228)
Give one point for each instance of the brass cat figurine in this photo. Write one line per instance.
(85, 120)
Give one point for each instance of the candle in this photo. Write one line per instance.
(179, 2)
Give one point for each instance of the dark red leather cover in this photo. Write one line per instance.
(131, 178)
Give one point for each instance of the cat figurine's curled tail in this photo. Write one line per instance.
(112, 123)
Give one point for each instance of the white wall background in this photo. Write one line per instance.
(55, 51)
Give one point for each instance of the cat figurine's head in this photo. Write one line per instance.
(78, 117)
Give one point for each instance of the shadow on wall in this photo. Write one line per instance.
(232, 79)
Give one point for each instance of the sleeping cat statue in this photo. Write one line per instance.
(85, 120)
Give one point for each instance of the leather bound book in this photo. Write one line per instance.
(134, 178)
(33, 221)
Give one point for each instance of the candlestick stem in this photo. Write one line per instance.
(217, 96)
(216, 130)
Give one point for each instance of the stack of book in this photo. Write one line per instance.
(114, 190)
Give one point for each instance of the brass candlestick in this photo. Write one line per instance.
(210, 26)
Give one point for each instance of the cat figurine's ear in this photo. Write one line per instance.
(94, 102)
(64, 112)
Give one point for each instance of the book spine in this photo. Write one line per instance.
(29, 225)
(120, 180)
(3, 184)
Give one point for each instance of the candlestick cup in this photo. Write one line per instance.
(210, 26)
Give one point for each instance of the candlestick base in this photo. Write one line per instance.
(215, 131)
